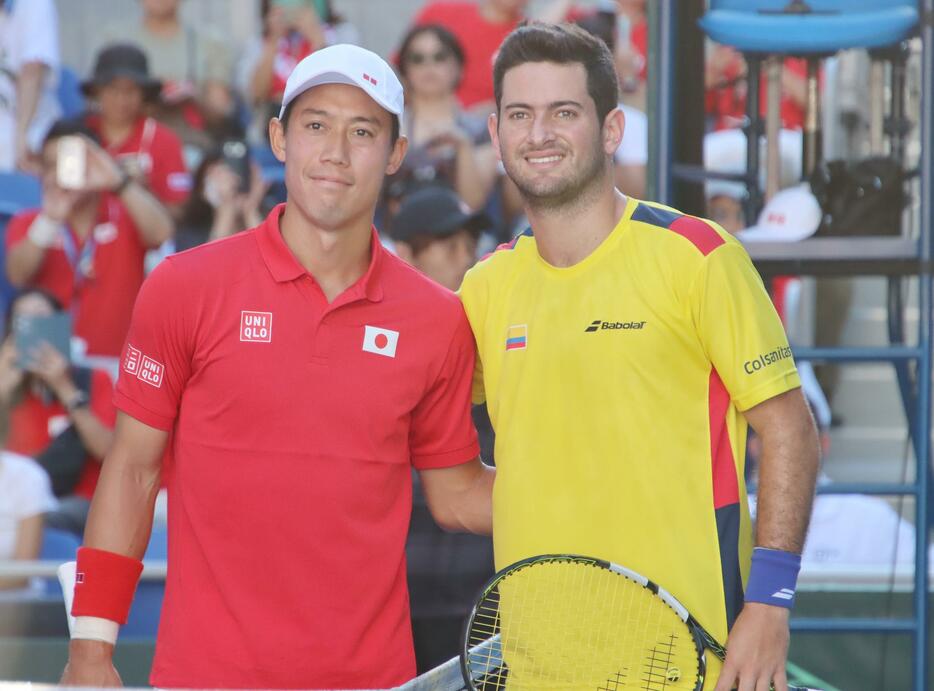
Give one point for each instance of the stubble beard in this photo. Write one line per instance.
(564, 192)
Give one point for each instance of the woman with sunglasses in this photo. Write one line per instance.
(446, 145)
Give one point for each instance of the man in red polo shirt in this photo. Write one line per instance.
(149, 151)
(480, 27)
(87, 246)
(296, 372)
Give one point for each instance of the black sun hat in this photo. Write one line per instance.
(435, 212)
(122, 60)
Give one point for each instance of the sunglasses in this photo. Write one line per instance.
(422, 58)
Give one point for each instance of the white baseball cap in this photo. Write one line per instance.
(725, 152)
(792, 214)
(347, 64)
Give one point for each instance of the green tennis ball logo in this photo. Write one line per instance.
(673, 674)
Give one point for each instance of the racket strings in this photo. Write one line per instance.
(576, 626)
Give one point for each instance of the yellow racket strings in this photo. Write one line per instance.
(576, 625)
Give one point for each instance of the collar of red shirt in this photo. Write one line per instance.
(93, 121)
(284, 267)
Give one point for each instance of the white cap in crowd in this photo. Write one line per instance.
(725, 152)
(792, 214)
(347, 64)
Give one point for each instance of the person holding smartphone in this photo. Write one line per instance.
(87, 243)
(294, 374)
(226, 197)
(61, 415)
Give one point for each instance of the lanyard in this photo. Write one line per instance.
(81, 259)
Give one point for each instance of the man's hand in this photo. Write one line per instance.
(90, 663)
(103, 172)
(757, 649)
(11, 376)
(52, 368)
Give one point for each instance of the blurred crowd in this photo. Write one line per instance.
(162, 145)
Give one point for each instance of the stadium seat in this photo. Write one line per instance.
(69, 93)
(143, 622)
(811, 27)
(18, 191)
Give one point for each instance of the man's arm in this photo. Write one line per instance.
(28, 89)
(758, 641)
(460, 497)
(120, 521)
(151, 218)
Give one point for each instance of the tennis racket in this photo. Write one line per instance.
(561, 621)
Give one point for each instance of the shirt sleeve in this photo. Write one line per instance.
(170, 180)
(31, 489)
(156, 362)
(740, 329)
(36, 34)
(16, 229)
(469, 296)
(442, 432)
(634, 148)
(101, 396)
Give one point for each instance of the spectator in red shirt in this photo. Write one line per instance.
(61, 415)
(480, 27)
(289, 34)
(725, 82)
(87, 246)
(149, 151)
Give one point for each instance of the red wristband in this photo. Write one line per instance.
(105, 584)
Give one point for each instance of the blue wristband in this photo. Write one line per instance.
(773, 577)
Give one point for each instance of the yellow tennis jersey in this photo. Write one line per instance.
(615, 388)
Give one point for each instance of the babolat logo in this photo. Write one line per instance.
(600, 325)
(766, 359)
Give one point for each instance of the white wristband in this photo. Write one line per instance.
(95, 629)
(44, 231)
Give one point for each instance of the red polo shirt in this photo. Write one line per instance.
(480, 40)
(155, 151)
(295, 425)
(110, 265)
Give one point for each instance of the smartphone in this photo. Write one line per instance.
(236, 155)
(31, 330)
(71, 162)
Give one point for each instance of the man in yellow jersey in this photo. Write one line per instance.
(623, 348)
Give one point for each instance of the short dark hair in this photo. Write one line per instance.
(562, 44)
(447, 40)
(67, 127)
(393, 135)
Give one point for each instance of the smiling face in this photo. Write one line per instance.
(548, 134)
(337, 151)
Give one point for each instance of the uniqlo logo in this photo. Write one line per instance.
(132, 360)
(370, 79)
(151, 372)
(79, 577)
(256, 327)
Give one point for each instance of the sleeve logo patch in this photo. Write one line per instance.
(764, 360)
(151, 372)
(143, 367)
(255, 327)
(132, 360)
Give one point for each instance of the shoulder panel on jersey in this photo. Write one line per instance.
(698, 232)
(663, 218)
(508, 245)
